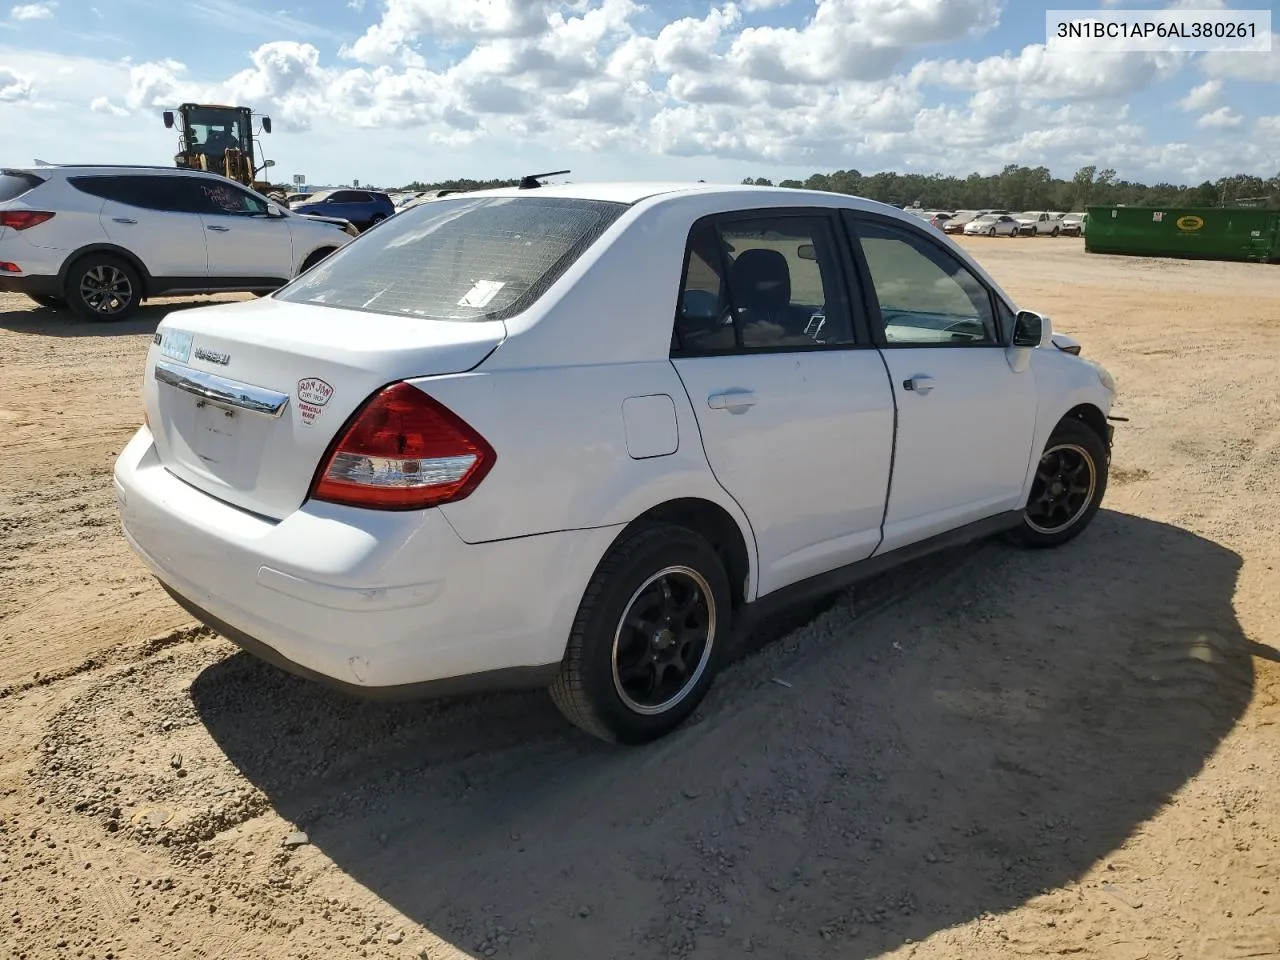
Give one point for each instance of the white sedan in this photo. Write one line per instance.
(992, 225)
(577, 436)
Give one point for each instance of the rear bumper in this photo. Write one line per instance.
(509, 678)
(40, 286)
(375, 602)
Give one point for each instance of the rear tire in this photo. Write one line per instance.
(103, 288)
(47, 300)
(1071, 479)
(991, 232)
(648, 638)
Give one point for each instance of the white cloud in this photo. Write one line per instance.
(1224, 118)
(404, 21)
(105, 106)
(856, 39)
(610, 82)
(1055, 75)
(13, 86)
(1263, 67)
(1201, 97)
(32, 11)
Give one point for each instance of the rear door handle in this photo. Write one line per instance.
(732, 400)
(123, 220)
(919, 384)
(214, 226)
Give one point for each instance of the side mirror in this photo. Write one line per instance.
(268, 163)
(266, 124)
(1029, 329)
(806, 252)
(273, 210)
(168, 119)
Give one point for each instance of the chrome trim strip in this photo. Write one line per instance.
(209, 386)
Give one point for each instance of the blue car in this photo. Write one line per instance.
(363, 208)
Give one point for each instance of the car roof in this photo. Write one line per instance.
(634, 192)
(71, 169)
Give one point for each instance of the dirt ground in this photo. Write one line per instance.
(987, 754)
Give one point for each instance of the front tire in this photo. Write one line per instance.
(1070, 481)
(648, 637)
(315, 258)
(991, 232)
(103, 288)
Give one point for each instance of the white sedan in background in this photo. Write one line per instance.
(578, 436)
(992, 225)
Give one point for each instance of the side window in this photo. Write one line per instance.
(224, 199)
(926, 295)
(118, 189)
(704, 320)
(164, 193)
(343, 196)
(771, 282)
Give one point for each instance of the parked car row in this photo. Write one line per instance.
(101, 239)
(1006, 223)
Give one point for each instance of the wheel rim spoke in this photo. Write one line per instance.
(1065, 481)
(663, 640)
(106, 290)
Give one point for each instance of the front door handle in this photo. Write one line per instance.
(123, 220)
(919, 384)
(214, 226)
(732, 400)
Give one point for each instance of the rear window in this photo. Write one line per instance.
(14, 185)
(470, 258)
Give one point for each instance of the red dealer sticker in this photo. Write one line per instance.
(313, 394)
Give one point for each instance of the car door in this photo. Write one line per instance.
(966, 418)
(148, 216)
(352, 205)
(245, 243)
(794, 407)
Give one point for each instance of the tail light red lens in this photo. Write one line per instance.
(403, 451)
(23, 219)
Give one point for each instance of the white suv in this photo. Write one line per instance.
(101, 239)
(578, 436)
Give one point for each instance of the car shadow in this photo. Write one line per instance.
(1003, 725)
(61, 322)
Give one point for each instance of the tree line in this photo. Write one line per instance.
(1013, 188)
(1035, 188)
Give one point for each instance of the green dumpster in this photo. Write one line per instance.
(1203, 233)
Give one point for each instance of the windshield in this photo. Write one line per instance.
(213, 130)
(988, 218)
(478, 258)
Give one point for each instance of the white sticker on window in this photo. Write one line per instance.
(480, 295)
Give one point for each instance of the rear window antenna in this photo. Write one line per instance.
(531, 182)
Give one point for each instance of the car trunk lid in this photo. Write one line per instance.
(244, 399)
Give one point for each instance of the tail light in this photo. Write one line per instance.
(22, 219)
(403, 451)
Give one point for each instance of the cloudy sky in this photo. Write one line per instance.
(388, 91)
